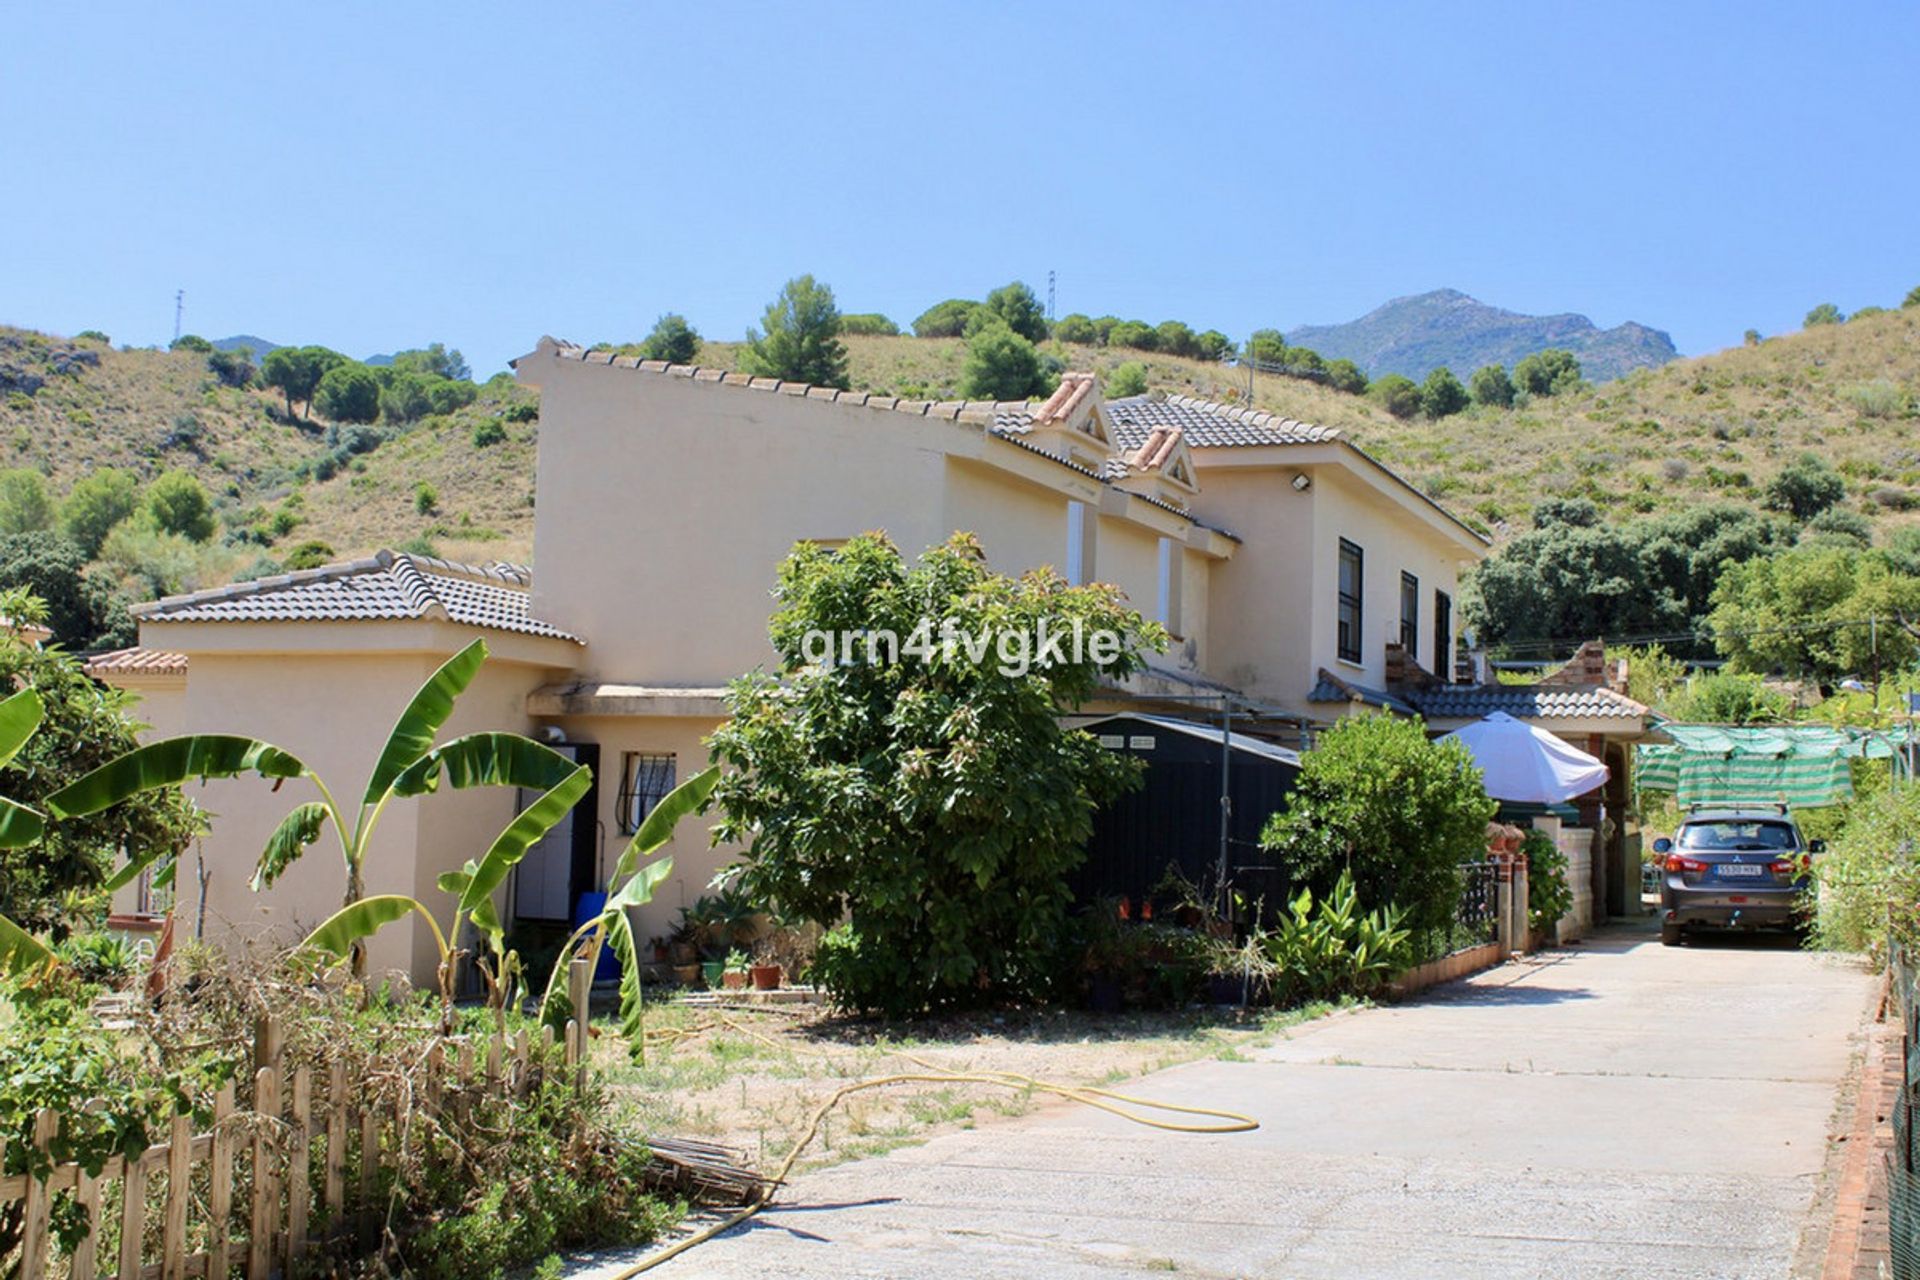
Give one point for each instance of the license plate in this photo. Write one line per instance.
(1742, 869)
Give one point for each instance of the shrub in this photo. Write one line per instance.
(1834, 525)
(95, 335)
(1377, 799)
(100, 959)
(176, 502)
(1017, 308)
(310, 555)
(1002, 365)
(1441, 395)
(1129, 378)
(1396, 394)
(1863, 312)
(1548, 896)
(1174, 338)
(1552, 372)
(1751, 337)
(1076, 328)
(672, 340)
(1267, 346)
(869, 324)
(928, 805)
(97, 502)
(82, 607)
(945, 319)
(1345, 375)
(1911, 300)
(25, 504)
(1825, 313)
(1869, 877)
(1215, 345)
(190, 342)
(1806, 487)
(488, 432)
(1331, 948)
(1490, 386)
(425, 498)
(1729, 697)
(1134, 334)
(1878, 399)
(233, 368)
(524, 411)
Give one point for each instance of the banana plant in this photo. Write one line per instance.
(345, 933)
(20, 952)
(409, 765)
(631, 885)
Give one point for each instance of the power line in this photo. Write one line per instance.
(1677, 637)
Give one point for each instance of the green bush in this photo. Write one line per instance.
(1549, 897)
(310, 555)
(97, 502)
(1345, 375)
(100, 959)
(1378, 800)
(869, 324)
(524, 411)
(945, 319)
(425, 498)
(1825, 313)
(1134, 334)
(1397, 394)
(1868, 880)
(190, 342)
(176, 502)
(1441, 395)
(1076, 328)
(1129, 378)
(1327, 948)
(348, 392)
(488, 432)
(1490, 386)
(1552, 372)
(672, 340)
(1002, 365)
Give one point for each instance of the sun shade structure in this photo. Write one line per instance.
(1528, 765)
(1802, 766)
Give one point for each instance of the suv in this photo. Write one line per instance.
(1729, 867)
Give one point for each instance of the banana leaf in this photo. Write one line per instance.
(632, 1014)
(639, 888)
(658, 828)
(20, 952)
(20, 715)
(19, 825)
(432, 706)
(486, 760)
(555, 1009)
(521, 834)
(289, 840)
(168, 763)
(364, 919)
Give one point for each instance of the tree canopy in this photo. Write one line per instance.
(926, 805)
(1441, 395)
(1806, 487)
(1491, 386)
(82, 608)
(1018, 308)
(25, 504)
(1397, 394)
(177, 502)
(97, 502)
(1822, 611)
(1002, 365)
(1825, 313)
(1552, 372)
(348, 392)
(296, 372)
(945, 319)
(799, 339)
(672, 340)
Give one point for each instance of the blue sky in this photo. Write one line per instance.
(379, 177)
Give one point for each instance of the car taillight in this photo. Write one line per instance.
(1782, 867)
(1680, 862)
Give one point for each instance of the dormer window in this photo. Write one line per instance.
(1161, 468)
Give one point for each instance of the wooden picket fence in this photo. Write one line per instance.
(268, 1151)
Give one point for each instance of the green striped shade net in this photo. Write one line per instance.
(1804, 766)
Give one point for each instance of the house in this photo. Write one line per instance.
(666, 497)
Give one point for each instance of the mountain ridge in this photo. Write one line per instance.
(1417, 333)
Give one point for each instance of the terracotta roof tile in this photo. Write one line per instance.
(386, 586)
(137, 661)
(1206, 424)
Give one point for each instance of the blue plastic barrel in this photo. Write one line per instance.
(589, 906)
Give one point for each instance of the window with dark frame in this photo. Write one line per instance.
(645, 779)
(1352, 583)
(1443, 635)
(1410, 615)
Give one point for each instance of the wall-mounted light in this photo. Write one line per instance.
(1302, 482)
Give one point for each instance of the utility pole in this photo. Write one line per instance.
(179, 309)
(1049, 295)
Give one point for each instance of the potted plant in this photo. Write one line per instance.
(1239, 973)
(733, 971)
(687, 975)
(659, 946)
(766, 971)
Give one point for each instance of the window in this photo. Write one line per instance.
(1410, 616)
(1352, 582)
(645, 779)
(1443, 635)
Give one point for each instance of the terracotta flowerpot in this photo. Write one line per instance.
(734, 980)
(766, 977)
(687, 975)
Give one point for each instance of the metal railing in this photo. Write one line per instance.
(1903, 1177)
(1476, 917)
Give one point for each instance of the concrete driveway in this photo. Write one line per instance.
(1619, 1109)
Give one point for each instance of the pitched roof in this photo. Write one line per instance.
(387, 585)
(137, 661)
(1208, 425)
(1472, 701)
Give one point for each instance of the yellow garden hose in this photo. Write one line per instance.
(1104, 1099)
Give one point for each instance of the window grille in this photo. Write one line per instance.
(1410, 616)
(1352, 583)
(645, 779)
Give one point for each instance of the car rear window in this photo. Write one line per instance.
(1733, 836)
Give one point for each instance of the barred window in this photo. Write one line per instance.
(1410, 615)
(646, 778)
(1350, 594)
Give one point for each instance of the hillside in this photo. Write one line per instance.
(1417, 334)
(1712, 428)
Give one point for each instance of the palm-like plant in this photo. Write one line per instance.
(409, 765)
(20, 716)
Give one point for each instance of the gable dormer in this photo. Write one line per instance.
(1161, 468)
(1073, 423)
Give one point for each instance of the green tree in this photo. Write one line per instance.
(1345, 375)
(1805, 487)
(672, 340)
(1076, 328)
(1002, 365)
(927, 805)
(1729, 697)
(296, 372)
(945, 319)
(434, 360)
(1134, 334)
(1267, 345)
(1838, 527)
(1490, 386)
(234, 368)
(869, 324)
(1552, 372)
(190, 342)
(1825, 313)
(348, 392)
(1913, 297)
(1441, 395)
(176, 502)
(801, 338)
(1751, 338)
(83, 726)
(1826, 612)
(1376, 798)
(1213, 345)
(82, 608)
(1020, 310)
(98, 501)
(1397, 394)
(25, 504)
(1174, 338)
(1129, 378)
